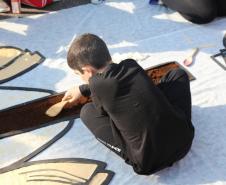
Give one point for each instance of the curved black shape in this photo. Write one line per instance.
(51, 92)
(27, 89)
(39, 150)
(224, 40)
(13, 60)
(100, 167)
(43, 147)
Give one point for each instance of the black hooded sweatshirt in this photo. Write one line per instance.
(151, 132)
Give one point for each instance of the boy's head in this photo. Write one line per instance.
(87, 55)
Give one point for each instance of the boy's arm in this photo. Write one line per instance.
(104, 91)
(74, 93)
(85, 90)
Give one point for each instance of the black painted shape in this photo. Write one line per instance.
(50, 92)
(13, 60)
(43, 147)
(100, 167)
(224, 40)
(222, 53)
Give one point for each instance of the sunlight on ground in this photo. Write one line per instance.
(118, 57)
(40, 15)
(176, 17)
(122, 44)
(127, 7)
(14, 27)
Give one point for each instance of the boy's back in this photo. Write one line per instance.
(148, 130)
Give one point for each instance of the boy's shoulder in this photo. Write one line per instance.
(103, 87)
(128, 61)
(110, 77)
(131, 64)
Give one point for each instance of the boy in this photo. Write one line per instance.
(148, 126)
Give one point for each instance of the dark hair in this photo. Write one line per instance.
(88, 49)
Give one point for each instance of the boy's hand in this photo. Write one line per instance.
(71, 96)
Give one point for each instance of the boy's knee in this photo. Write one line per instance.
(179, 74)
(203, 16)
(182, 72)
(85, 111)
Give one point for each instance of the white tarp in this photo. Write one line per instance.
(132, 28)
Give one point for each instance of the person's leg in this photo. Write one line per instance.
(175, 85)
(196, 11)
(221, 4)
(4, 7)
(100, 127)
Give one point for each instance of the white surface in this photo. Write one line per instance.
(14, 97)
(132, 28)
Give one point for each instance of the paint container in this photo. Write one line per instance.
(16, 6)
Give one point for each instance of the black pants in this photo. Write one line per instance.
(175, 85)
(198, 11)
